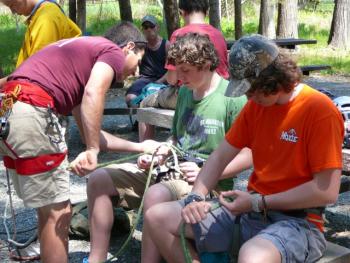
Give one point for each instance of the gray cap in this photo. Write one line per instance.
(149, 18)
(247, 58)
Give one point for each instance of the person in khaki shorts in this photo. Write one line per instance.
(202, 116)
(47, 85)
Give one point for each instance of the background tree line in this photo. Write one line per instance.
(278, 18)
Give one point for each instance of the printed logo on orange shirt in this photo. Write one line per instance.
(289, 136)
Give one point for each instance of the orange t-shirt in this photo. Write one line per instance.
(289, 142)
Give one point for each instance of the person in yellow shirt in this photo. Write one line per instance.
(46, 23)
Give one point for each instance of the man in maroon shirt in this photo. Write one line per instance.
(71, 75)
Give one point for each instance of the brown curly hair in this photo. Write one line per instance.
(282, 74)
(194, 49)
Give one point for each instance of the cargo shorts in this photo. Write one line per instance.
(130, 182)
(29, 136)
(296, 239)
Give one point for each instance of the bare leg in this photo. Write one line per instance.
(259, 250)
(100, 188)
(54, 222)
(128, 98)
(157, 193)
(146, 131)
(163, 221)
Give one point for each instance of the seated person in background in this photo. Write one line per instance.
(151, 68)
(202, 117)
(296, 171)
(193, 13)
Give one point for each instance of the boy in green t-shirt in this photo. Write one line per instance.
(202, 117)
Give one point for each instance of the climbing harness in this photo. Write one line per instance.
(53, 129)
(7, 101)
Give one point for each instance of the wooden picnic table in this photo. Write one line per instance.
(289, 43)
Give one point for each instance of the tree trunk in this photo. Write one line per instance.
(214, 13)
(267, 18)
(339, 36)
(238, 19)
(73, 10)
(171, 12)
(125, 10)
(81, 18)
(287, 25)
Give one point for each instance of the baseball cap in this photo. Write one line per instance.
(149, 18)
(247, 58)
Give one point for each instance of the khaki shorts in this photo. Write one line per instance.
(30, 133)
(165, 98)
(42, 189)
(130, 182)
(178, 188)
(29, 136)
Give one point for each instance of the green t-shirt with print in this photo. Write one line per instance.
(200, 125)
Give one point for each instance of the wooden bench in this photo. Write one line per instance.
(118, 111)
(335, 254)
(155, 116)
(289, 43)
(307, 69)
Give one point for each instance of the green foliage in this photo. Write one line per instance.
(10, 42)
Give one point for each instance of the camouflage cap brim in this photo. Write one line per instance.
(237, 87)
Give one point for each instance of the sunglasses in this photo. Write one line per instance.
(147, 26)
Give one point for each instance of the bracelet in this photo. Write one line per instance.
(255, 202)
(193, 197)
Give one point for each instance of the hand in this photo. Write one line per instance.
(144, 161)
(195, 212)
(149, 146)
(190, 171)
(85, 162)
(242, 202)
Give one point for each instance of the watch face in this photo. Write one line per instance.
(193, 198)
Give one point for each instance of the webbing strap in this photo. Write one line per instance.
(236, 241)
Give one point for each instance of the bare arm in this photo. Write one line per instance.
(3, 81)
(109, 142)
(164, 77)
(214, 167)
(321, 191)
(242, 162)
(92, 104)
(89, 115)
(171, 77)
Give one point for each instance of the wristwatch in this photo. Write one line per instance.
(193, 197)
(255, 198)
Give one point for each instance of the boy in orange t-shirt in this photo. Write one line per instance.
(296, 170)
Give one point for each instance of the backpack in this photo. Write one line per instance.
(79, 225)
(146, 91)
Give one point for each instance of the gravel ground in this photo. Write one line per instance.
(338, 214)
